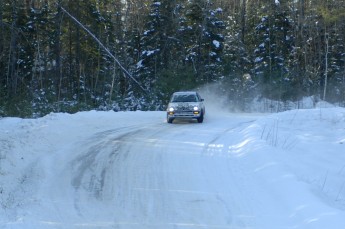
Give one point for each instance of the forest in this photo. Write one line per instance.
(77, 55)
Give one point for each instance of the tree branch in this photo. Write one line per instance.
(105, 48)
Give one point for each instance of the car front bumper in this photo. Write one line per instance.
(184, 114)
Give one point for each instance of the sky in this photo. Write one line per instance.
(133, 170)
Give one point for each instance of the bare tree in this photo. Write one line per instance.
(12, 77)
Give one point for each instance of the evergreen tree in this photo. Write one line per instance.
(238, 84)
(203, 39)
(159, 47)
(274, 44)
(281, 49)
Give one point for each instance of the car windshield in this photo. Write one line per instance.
(184, 98)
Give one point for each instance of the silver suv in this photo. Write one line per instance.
(186, 105)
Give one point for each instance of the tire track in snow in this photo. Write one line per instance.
(219, 149)
(133, 173)
(94, 169)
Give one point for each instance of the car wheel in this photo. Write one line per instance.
(170, 120)
(201, 118)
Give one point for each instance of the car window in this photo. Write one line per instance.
(199, 97)
(184, 98)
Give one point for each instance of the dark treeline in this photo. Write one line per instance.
(281, 50)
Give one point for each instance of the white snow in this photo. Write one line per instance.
(149, 52)
(216, 43)
(213, 54)
(133, 170)
(219, 10)
(258, 59)
(140, 64)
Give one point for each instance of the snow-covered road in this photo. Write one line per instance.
(131, 170)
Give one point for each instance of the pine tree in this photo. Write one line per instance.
(238, 84)
(203, 39)
(274, 44)
(159, 48)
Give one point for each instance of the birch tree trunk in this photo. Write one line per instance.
(326, 67)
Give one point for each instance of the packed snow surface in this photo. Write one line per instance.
(132, 170)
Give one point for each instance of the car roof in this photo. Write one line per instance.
(185, 92)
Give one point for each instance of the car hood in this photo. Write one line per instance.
(184, 104)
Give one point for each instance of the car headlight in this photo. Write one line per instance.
(195, 108)
(171, 109)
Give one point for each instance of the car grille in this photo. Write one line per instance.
(184, 113)
(182, 108)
